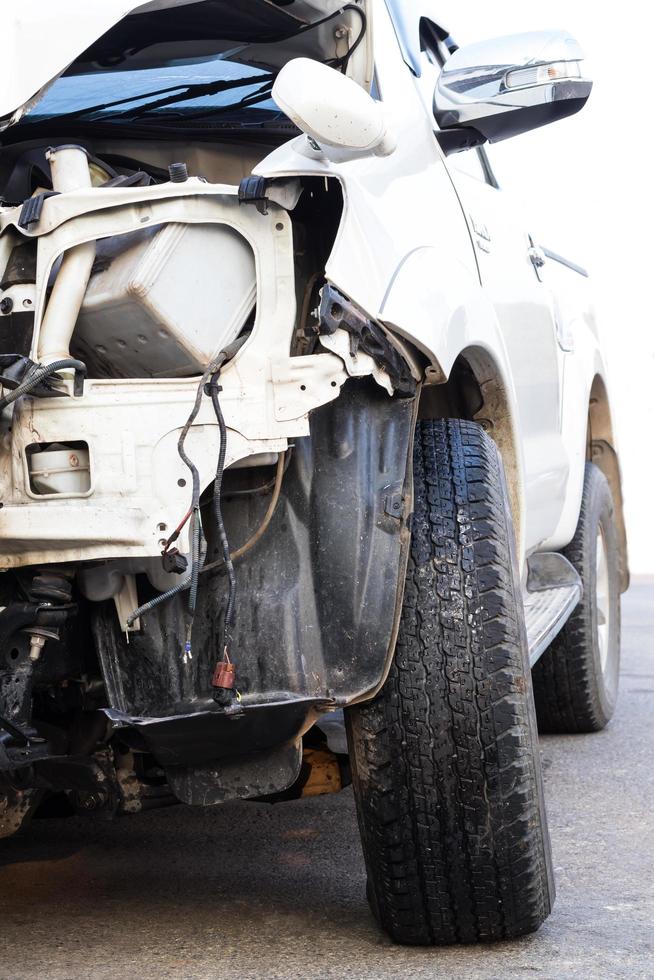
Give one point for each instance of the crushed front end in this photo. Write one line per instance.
(204, 482)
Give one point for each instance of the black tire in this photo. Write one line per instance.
(575, 687)
(445, 760)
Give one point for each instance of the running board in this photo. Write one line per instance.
(553, 590)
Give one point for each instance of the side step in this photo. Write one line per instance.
(553, 590)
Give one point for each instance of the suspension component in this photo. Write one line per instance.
(53, 591)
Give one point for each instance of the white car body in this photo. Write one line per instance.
(440, 264)
(411, 261)
(442, 260)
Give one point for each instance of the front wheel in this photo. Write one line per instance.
(445, 759)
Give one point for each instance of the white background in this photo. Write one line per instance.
(588, 185)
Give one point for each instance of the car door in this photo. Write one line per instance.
(508, 263)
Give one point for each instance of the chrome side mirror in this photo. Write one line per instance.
(495, 89)
(338, 116)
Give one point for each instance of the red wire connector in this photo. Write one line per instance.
(224, 676)
(178, 530)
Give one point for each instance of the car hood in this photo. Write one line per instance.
(42, 38)
(31, 61)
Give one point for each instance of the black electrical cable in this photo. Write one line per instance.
(214, 390)
(195, 476)
(344, 61)
(176, 589)
(198, 544)
(265, 90)
(196, 536)
(298, 31)
(39, 373)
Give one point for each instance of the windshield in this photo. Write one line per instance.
(170, 71)
(221, 88)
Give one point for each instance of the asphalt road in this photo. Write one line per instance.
(256, 891)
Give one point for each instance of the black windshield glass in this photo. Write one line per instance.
(209, 88)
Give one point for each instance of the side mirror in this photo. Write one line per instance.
(333, 111)
(495, 89)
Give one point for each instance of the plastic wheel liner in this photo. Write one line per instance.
(318, 599)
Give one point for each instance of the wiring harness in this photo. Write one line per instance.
(39, 373)
(224, 675)
(198, 544)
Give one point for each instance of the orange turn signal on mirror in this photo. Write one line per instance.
(542, 74)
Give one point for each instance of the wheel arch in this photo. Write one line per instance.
(476, 390)
(601, 450)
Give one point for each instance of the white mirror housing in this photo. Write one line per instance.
(332, 110)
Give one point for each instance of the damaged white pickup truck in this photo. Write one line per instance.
(297, 418)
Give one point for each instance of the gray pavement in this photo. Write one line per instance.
(250, 890)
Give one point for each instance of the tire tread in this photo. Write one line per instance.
(445, 775)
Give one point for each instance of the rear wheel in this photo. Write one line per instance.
(445, 759)
(576, 679)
